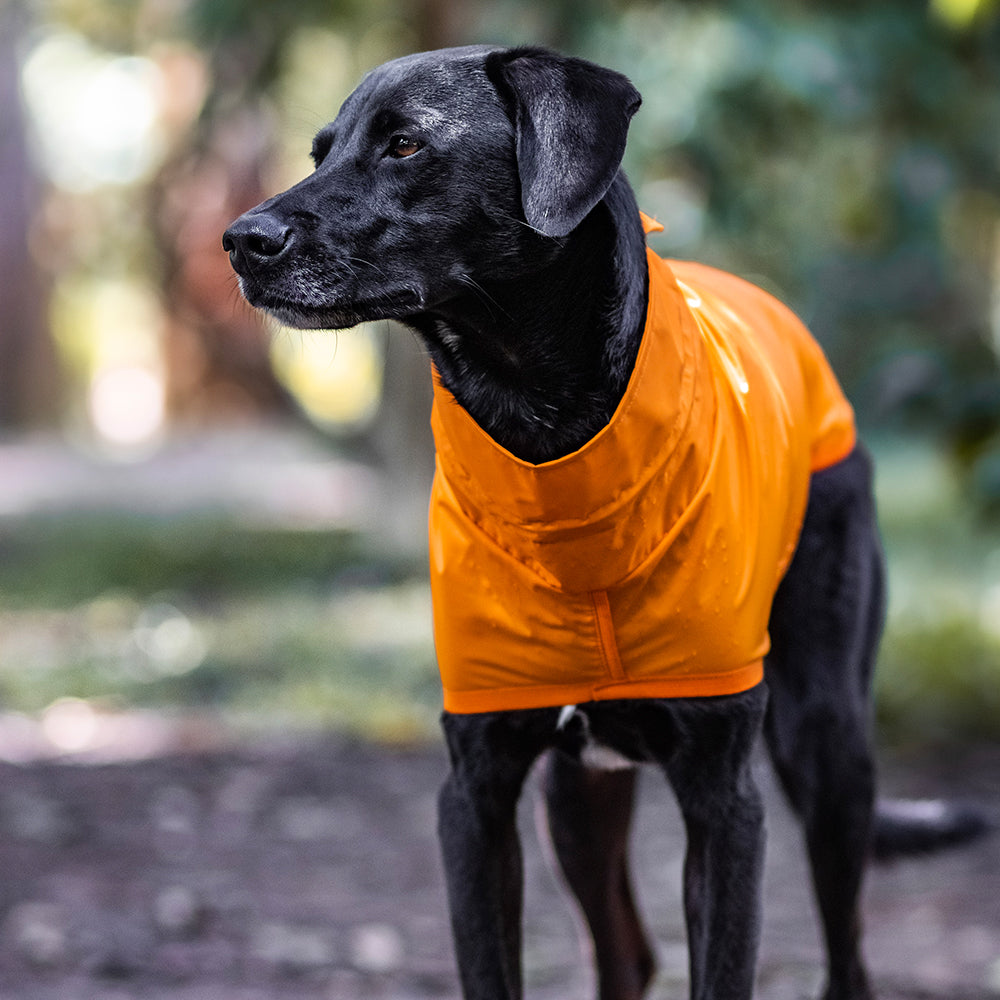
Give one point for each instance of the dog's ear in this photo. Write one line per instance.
(571, 119)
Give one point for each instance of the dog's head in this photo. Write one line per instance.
(441, 171)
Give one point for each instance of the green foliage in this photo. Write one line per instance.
(939, 680)
(247, 38)
(938, 675)
(57, 562)
(297, 658)
(848, 157)
(270, 627)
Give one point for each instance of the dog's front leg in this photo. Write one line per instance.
(724, 818)
(491, 755)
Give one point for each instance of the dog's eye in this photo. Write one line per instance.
(401, 146)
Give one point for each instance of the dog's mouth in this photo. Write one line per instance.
(337, 315)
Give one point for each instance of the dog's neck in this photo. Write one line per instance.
(541, 363)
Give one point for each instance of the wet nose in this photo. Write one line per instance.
(256, 238)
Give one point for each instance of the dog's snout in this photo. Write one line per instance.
(256, 237)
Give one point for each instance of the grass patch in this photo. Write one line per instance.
(939, 672)
(58, 562)
(938, 681)
(295, 659)
(274, 626)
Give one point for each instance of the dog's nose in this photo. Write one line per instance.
(257, 237)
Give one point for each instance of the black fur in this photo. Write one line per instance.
(475, 194)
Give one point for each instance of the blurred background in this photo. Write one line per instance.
(203, 515)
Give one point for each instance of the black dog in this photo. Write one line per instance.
(475, 194)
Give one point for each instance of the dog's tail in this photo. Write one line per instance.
(905, 827)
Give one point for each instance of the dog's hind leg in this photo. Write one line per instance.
(491, 755)
(589, 813)
(825, 625)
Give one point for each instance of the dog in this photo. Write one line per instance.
(476, 195)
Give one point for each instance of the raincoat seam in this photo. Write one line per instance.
(608, 643)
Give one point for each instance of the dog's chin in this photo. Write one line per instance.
(335, 315)
(310, 318)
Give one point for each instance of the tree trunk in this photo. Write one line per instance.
(217, 349)
(29, 380)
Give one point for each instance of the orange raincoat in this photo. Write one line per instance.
(644, 564)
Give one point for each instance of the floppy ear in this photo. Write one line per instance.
(571, 119)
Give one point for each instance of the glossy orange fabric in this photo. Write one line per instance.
(644, 564)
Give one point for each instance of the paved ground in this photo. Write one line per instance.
(307, 868)
(265, 473)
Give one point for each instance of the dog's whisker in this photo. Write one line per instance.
(527, 225)
(367, 263)
(488, 300)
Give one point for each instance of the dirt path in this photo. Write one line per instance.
(309, 870)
